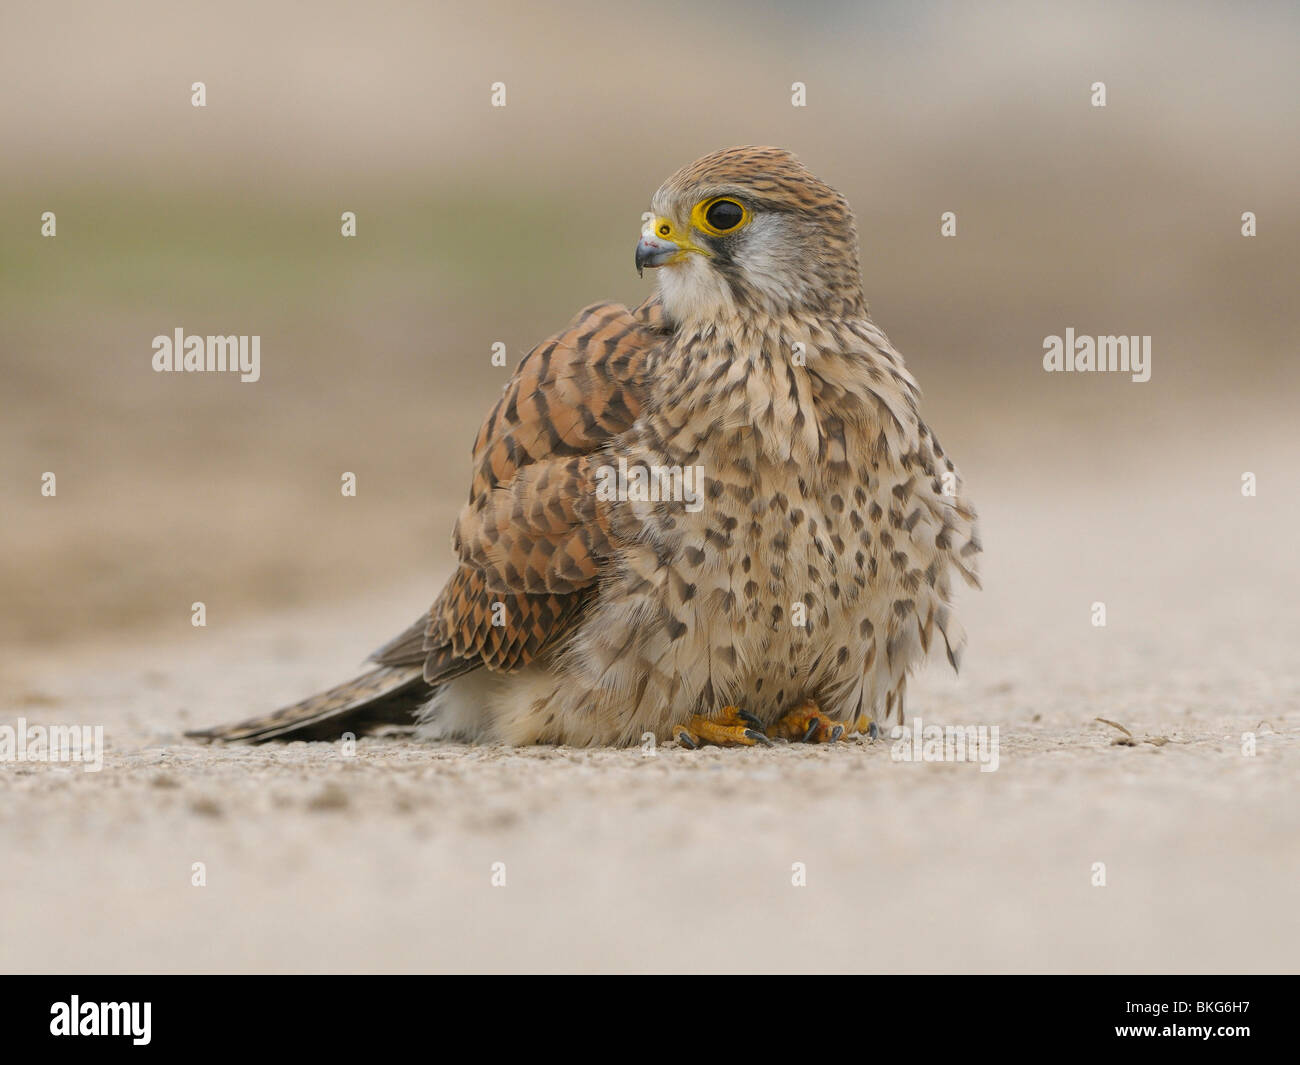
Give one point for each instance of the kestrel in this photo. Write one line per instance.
(716, 517)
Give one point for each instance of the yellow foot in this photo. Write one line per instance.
(731, 726)
(805, 723)
(864, 724)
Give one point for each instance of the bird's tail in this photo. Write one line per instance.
(387, 695)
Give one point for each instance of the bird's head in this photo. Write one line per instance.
(748, 231)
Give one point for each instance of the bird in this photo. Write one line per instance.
(716, 517)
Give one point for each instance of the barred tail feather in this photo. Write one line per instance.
(383, 696)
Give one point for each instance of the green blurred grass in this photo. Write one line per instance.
(134, 248)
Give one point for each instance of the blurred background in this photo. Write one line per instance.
(478, 224)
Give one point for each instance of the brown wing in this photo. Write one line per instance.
(530, 539)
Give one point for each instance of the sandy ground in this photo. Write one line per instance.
(680, 860)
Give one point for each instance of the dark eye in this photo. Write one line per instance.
(724, 215)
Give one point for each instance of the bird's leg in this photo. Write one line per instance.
(731, 726)
(805, 723)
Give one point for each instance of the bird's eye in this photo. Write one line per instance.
(724, 215)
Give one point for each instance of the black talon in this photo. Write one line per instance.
(758, 737)
(812, 731)
(749, 718)
(873, 731)
(685, 737)
(836, 733)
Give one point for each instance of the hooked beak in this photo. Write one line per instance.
(661, 244)
(655, 251)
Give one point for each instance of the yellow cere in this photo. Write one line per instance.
(664, 230)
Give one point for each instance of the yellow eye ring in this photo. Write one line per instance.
(719, 216)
